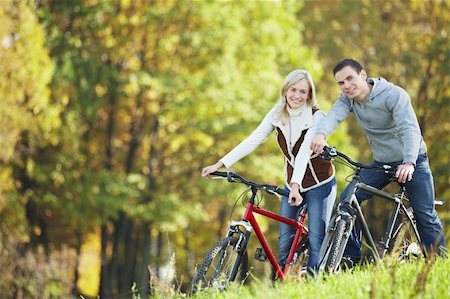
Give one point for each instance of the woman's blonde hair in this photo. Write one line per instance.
(293, 78)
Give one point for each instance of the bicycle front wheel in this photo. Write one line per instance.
(222, 265)
(333, 252)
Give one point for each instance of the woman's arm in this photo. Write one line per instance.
(251, 142)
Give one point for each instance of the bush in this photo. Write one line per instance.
(30, 273)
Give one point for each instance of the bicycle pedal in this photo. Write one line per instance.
(413, 250)
(260, 255)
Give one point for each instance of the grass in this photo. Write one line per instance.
(414, 279)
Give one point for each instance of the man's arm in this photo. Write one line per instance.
(406, 120)
(330, 122)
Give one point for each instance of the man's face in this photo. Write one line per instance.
(352, 84)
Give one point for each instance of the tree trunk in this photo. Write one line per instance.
(144, 276)
(126, 277)
(31, 207)
(76, 274)
(223, 224)
(107, 269)
(117, 257)
(105, 290)
(159, 251)
(422, 97)
(190, 260)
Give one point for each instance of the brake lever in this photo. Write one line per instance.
(328, 153)
(272, 191)
(231, 177)
(439, 202)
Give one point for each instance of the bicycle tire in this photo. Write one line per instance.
(299, 263)
(405, 242)
(224, 257)
(336, 243)
(302, 258)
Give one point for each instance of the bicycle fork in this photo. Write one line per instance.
(343, 213)
(358, 214)
(241, 244)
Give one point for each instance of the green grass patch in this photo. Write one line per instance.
(414, 279)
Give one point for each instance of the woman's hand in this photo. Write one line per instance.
(210, 169)
(295, 199)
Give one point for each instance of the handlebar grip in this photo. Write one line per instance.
(220, 173)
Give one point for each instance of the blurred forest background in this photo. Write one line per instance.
(110, 108)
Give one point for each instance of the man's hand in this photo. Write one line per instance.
(317, 143)
(404, 173)
(295, 199)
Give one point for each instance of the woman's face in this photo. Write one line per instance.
(298, 94)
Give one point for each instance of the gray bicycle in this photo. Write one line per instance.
(401, 235)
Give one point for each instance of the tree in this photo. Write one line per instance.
(408, 48)
(133, 76)
(28, 121)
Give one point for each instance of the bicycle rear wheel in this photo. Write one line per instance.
(301, 258)
(405, 243)
(298, 266)
(222, 265)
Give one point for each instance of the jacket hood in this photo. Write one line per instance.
(379, 85)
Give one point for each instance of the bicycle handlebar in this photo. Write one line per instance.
(233, 177)
(330, 152)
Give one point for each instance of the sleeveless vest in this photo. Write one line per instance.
(318, 169)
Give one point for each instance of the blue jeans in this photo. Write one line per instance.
(421, 195)
(320, 202)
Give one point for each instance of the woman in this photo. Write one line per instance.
(308, 177)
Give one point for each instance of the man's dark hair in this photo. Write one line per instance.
(347, 62)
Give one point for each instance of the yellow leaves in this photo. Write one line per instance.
(100, 90)
(6, 186)
(25, 70)
(125, 3)
(336, 25)
(10, 128)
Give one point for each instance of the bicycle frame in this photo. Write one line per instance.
(399, 208)
(250, 223)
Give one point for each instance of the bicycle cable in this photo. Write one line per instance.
(259, 197)
(342, 161)
(348, 178)
(240, 198)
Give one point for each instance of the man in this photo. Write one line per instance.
(385, 113)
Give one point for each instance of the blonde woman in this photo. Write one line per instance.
(307, 176)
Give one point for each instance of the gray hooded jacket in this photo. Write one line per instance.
(388, 119)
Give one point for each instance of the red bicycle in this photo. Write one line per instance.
(227, 261)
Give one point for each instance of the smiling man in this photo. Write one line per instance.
(385, 113)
